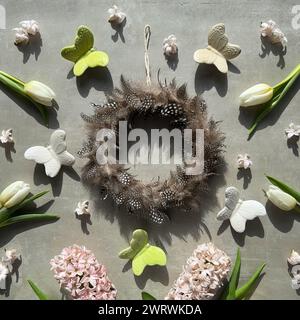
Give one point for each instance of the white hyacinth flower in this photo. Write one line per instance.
(271, 31)
(82, 208)
(21, 36)
(14, 194)
(6, 136)
(30, 26)
(292, 131)
(116, 16)
(10, 256)
(294, 258)
(243, 161)
(40, 93)
(170, 45)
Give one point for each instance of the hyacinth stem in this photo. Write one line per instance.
(17, 86)
(280, 91)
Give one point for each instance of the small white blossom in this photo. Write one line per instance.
(27, 28)
(116, 16)
(243, 161)
(6, 136)
(21, 36)
(170, 45)
(30, 26)
(270, 30)
(292, 131)
(294, 258)
(82, 208)
(10, 256)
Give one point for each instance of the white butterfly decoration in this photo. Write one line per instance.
(218, 50)
(239, 211)
(83, 208)
(54, 156)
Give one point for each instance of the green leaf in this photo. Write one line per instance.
(147, 296)
(229, 291)
(284, 188)
(246, 289)
(27, 201)
(32, 217)
(39, 293)
(272, 104)
(235, 276)
(4, 214)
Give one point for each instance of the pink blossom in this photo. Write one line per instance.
(78, 271)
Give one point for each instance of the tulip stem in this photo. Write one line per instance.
(18, 81)
(288, 78)
(18, 86)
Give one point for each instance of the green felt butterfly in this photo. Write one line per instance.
(83, 54)
(142, 253)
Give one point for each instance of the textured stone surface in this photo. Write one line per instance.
(268, 240)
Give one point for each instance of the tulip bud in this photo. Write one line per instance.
(39, 92)
(14, 194)
(258, 94)
(281, 199)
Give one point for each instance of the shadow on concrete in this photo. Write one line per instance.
(248, 115)
(40, 178)
(281, 220)
(98, 78)
(32, 48)
(276, 49)
(9, 148)
(119, 28)
(292, 143)
(85, 220)
(155, 274)
(246, 175)
(254, 228)
(173, 60)
(8, 233)
(30, 109)
(208, 76)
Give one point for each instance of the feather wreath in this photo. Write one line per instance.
(153, 200)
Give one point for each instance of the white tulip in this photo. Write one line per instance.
(258, 94)
(281, 199)
(40, 93)
(14, 194)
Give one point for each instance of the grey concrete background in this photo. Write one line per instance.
(269, 239)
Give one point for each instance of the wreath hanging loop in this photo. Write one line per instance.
(154, 200)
